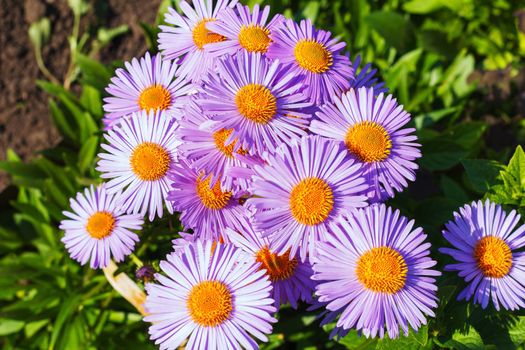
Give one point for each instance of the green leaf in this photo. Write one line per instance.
(55, 89)
(466, 134)
(516, 167)
(22, 170)
(61, 122)
(423, 6)
(517, 331)
(8, 326)
(39, 32)
(79, 7)
(469, 340)
(91, 100)
(105, 36)
(87, 153)
(67, 308)
(441, 153)
(428, 119)
(482, 173)
(311, 10)
(354, 341)
(452, 190)
(151, 33)
(394, 27)
(94, 73)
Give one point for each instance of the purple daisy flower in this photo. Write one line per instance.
(314, 54)
(259, 99)
(303, 188)
(141, 151)
(217, 298)
(375, 269)
(209, 151)
(97, 229)
(243, 30)
(188, 36)
(206, 209)
(371, 128)
(149, 85)
(290, 277)
(366, 77)
(485, 240)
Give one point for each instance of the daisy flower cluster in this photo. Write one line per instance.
(277, 153)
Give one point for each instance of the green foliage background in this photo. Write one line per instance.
(433, 55)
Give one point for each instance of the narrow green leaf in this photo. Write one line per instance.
(61, 122)
(8, 326)
(67, 308)
(91, 100)
(87, 153)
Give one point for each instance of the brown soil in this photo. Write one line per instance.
(25, 125)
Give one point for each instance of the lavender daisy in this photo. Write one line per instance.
(485, 239)
(243, 30)
(375, 268)
(290, 277)
(187, 36)
(206, 209)
(97, 229)
(212, 152)
(259, 99)
(372, 130)
(148, 84)
(314, 54)
(215, 298)
(366, 77)
(303, 188)
(140, 152)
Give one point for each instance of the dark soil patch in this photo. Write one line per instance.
(25, 125)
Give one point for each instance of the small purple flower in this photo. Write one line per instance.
(187, 36)
(206, 209)
(301, 190)
(216, 297)
(314, 54)
(375, 270)
(372, 129)
(97, 229)
(147, 84)
(290, 277)
(145, 273)
(259, 99)
(366, 77)
(243, 30)
(140, 152)
(486, 244)
(211, 151)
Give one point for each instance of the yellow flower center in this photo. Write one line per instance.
(493, 256)
(202, 36)
(256, 103)
(220, 137)
(368, 141)
(212, 198)
(311, 201)
(382, 270)
(209, 303)
(312, 56)
(254, 38)
(100, 224)
(278, 267)
(150, 161)
(155, 97)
